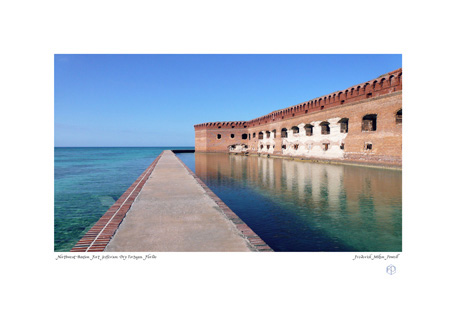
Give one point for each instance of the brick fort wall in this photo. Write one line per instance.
(362, 123)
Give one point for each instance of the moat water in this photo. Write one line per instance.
(299, 206)
(293, 206)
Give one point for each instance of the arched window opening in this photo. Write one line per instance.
(253, 135)
(219, 136)
(369, 123)
(232, 135)
(274, 133)
(284, 132)
(260, 135)
(325, 127)
(399, 117)
(391, 80)
(268, 134)
(244, 136)
(309, 130)
(268, 146)
(295, 129)
(343, 125)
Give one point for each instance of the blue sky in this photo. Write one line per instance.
(154, 100)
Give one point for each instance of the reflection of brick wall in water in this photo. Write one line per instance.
(362, 123)
(346, 187)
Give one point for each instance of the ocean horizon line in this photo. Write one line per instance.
(121, 146)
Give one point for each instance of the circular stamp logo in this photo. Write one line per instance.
(390, 269)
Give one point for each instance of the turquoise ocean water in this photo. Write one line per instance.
(292, 206)
(88, 180)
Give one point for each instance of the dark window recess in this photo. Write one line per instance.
(261, 146)
(284, 133)
(268, 134)
(254, 135)
(368, 146)
(322, 107)
(284, 146)
(342, 146)
(325, 127)
(309, 130)
(232, 126)
(325, 146)
(399, 117)
(260, 136)
(369, 95)
(268, 146)
(344, 125)
(295, 129)
(219, 127)
(296, 146)
(219, 136)
(244, 136)
(232, 135)
(369, 123)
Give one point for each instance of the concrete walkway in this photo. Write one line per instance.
(174, 213)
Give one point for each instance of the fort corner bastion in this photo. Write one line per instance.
(361, 124)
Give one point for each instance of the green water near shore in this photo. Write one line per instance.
(293, 206)
(87, 181)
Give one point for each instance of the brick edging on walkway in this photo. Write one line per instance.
(254, 241)
(98, 237)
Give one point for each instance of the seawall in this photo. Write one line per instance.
(168, 208)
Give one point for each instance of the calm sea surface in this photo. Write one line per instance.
(292, 206)
(298, 206)
(87, 181)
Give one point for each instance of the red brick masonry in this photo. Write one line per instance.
(98, 237)
(255, 242)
